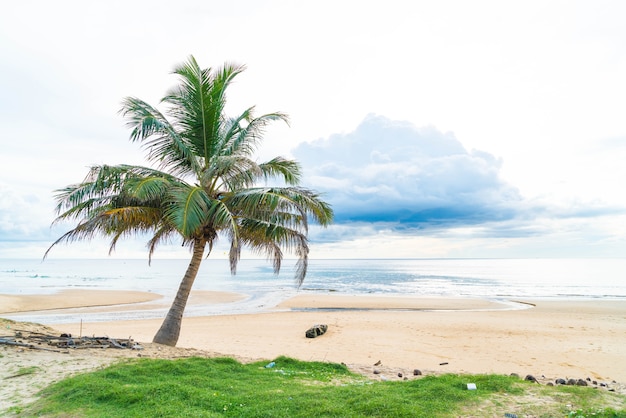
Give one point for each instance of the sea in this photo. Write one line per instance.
(494, 279)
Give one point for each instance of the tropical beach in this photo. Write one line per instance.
(544, 338)
(440, 194)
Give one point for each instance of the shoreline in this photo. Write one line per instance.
(574, 338)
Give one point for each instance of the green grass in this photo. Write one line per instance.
(199, 387)
(22, 371)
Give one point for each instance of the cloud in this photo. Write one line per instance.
(403, 191)
(393, 173)
(23, 216)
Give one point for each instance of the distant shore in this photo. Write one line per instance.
(576, 339)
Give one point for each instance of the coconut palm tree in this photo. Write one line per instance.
(202, 185)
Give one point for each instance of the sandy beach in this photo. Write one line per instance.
(576, 339)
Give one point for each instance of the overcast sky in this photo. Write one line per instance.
(435, 129)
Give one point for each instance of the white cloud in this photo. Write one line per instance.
(23, 216)
(426, 177)
(424, 195)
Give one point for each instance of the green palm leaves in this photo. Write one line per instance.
(203, 180)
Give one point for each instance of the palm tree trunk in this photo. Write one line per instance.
(170, 329)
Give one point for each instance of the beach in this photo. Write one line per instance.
(549, 338)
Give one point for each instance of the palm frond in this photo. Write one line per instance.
(234, 255)
(148, 188)
(113, 222)
(308, 202)
(104, 187)
(269, 238)
(290, 170)
(131, 219)
(100, 181)
(162, 234)
(188, 211)
(232, 127)
(159, 137)
(243, 139)
(198, 104)
(232, 172)
(304, 202)
(194, 213)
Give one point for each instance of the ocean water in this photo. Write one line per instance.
(498, 279)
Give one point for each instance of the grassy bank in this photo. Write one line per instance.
(200, 387)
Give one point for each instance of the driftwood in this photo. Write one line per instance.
(39, 341)
(6, 341)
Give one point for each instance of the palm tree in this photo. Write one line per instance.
(203, 186)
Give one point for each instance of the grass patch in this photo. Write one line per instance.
(200, 387)
(23, 371)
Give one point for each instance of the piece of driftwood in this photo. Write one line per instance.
(12, 342)
(6, 341)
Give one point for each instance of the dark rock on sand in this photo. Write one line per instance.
(530, 378)
(316, 330)
(560, 381)
(417, 372)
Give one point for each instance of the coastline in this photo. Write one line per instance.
(573, 338)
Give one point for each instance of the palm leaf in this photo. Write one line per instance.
(269, 239)
(148, 188)
(288, 169)
(198, 104)
(112, 222)
(243, 139)
(232, 172)
(163, 142)
(189, 208)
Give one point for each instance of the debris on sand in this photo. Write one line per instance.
(58, 343)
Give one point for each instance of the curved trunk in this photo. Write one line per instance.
(170, 329)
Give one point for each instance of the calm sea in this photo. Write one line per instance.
(490, 278)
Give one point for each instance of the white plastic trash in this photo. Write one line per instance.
(471, 386)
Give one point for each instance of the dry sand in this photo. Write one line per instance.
(568, 339)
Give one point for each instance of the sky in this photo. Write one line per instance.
(440, 129)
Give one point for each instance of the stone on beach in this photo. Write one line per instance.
(316, 330)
